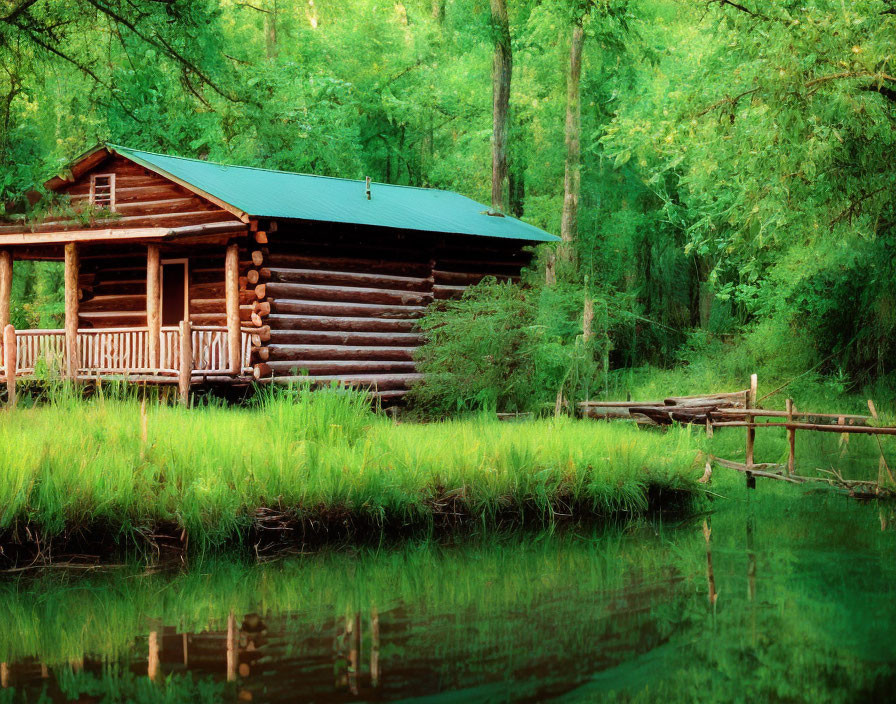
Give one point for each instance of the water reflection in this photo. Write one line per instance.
(765, 599)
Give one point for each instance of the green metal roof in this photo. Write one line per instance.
(266, 193)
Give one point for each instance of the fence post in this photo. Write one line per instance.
(791, 439)
(9, 363)
(751, 431)
(186, 361)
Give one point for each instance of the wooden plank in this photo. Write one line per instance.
(63, 236)
(232, 306)
(349, 294)
(71, 310)
(5, 287)
(153, 303)
(342, 309)
(336, 322)
(335, 337)
(381, 382)
(185, 367)
(332, 352)
(346, 278)
(339, 367)
(10, 362)
(280, 259)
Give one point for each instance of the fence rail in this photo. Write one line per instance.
(125, 351)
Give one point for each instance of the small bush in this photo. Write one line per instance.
(503, 347)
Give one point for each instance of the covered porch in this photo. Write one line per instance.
(153, 305)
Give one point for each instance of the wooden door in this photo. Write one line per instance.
(175, 292)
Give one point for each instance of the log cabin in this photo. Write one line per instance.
(185, 271)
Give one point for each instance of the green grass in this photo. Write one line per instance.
(319, 459)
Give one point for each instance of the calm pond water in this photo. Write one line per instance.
(775, 597)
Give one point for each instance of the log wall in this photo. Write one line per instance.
(343, 305)
(113, 285)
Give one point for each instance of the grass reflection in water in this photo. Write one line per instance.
(780, 596)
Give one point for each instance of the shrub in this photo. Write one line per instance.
(505, 347)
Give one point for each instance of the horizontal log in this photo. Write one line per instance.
(333, 322)
(348, 294)
(393, 395)
(332, 352)
(390, 267)
(124, 303)
(208, 319)
(258, 257)
(380, 382)
(165, 205)
(462, 278)
(441, 293)
(706, 399)
(339, 367)
(111, 319)
(340, 309)
(824, 428)
(490, 266)
(262, 308)
(618, 404)
(326, 337)
(261, 291)
(214, 306)
(118, 288)
(346, 278)
(849, 419)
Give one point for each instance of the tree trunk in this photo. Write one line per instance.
(270, 26)
(572, 178)
(502, 69)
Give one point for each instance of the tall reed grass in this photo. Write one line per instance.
(320, 457)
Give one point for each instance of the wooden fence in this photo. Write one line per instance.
(121, 352)
(739, 409)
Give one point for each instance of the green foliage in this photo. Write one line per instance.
(736, 170)
(507, 348)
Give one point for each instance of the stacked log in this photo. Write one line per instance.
(112, 289)
(344, 307)
(255, 284)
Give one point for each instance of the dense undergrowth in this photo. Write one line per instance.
(297, 466)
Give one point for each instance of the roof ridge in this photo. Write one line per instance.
(278, 171)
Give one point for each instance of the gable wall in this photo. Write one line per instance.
(145, 199)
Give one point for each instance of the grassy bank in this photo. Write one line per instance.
(306, 466)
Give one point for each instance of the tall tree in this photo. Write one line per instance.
(502, 70)
(270, 26)
(572, 178)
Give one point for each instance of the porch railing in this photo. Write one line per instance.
(125, 351)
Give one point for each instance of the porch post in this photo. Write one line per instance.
(153, 301)
(5, 286)
(232, 298)
(71, 310)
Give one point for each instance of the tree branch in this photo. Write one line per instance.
(727, 100)
(160, 43)
(18, 11)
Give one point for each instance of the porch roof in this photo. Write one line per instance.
(266, 193)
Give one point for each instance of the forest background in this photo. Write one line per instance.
(721, 172)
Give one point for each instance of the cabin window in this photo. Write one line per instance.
(102, 191)
(175, 292)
